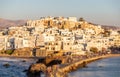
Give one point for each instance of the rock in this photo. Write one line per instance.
(35, 70)
(86, 67)
(23, 60)
(6, 65)
(100, 66)
(25, 70)
(84, 64)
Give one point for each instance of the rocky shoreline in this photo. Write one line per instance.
(22, 57)
(55, 71)
(63, 72)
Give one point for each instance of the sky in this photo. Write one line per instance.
(104, 12)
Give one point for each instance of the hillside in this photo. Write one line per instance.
(111, 27)
(4, 23)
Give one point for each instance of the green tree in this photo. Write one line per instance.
(10, 51)
(118, 31)
(94, 49)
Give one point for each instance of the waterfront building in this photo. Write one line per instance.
(51, 34)
(3, 42)
(74, 19)
(117, 41)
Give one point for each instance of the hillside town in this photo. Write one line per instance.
(50, 35)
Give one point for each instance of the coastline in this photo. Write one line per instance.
(74, 66)
(29, 57)
(63, 71)
(24, 57)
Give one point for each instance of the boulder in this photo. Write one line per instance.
(6, 65)
(36, 69)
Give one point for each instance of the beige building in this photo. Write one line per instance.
(3, 42)
(117, 40)
(53, 46)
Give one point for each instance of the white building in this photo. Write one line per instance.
(48, 38)
(3, 42)
(74, 19)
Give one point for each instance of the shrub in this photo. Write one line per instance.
(10, 51)
(2, 51)
(94, 49)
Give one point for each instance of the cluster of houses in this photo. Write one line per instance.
(52, 34)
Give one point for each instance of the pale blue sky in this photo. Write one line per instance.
(98, 11)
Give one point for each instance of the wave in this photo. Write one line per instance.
(9, 59)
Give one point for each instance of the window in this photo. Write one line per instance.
(49, 43)
(53, 48)
(47, 48)
(56, 43)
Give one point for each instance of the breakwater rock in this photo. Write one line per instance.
(36, 69)
(50, 71)
(43, 65)
(6, 65)
(74, 66)
(83, 63)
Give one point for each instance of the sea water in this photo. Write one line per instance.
(16, 67)
(109, 67)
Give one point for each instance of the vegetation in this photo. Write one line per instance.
(10, 51)
(115, 49)
(104, 49)
(94, 49)
(118, 31)
(106, 33)
(2, 51)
